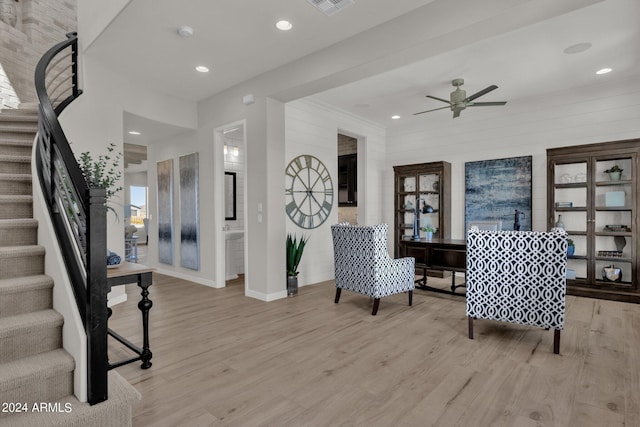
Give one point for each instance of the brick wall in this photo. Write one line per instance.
(40, 24)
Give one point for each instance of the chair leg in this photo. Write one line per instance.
(470, 320)
(556, 341)
(376, 304)
(410, 298)
(338, 291)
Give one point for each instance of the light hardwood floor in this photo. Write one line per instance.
(221, 359)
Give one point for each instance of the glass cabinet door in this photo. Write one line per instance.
(570, 211)
(406, 193)
(613, 221)
(429, 198)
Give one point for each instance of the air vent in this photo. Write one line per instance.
(331, 7)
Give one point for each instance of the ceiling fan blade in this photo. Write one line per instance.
(456, 113)
(482, 92)
(438, 99)
(485, 104)
(428, 111)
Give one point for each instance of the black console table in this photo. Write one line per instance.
(436, 254)
(134, 273)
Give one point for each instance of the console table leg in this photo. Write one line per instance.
(145, 305)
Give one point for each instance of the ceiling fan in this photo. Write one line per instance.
(459, 99)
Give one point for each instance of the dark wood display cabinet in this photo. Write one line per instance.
(592, 193)
(427, 186)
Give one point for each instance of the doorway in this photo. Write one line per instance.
(230, 196)
(347, 179)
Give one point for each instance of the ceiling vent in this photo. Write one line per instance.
(331, 7)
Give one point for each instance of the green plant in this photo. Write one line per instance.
(614, 168)
(295, 248)
(103, 171)
(570, 242)
(429, 229)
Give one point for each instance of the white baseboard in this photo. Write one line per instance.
(194, 279)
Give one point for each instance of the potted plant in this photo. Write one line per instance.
(571, 247)
(428, 231)
(103, 172)
(614, 173)
(295, 248)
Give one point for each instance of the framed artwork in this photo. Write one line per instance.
(499, 190)
(189, 212)
(165, 211)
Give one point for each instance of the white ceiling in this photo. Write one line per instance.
(237, 40)
(525, 63)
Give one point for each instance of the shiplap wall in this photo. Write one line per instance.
(607, 111)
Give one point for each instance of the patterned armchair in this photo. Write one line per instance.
(518, 277)
(363, 265)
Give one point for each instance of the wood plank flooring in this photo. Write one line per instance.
(221, 359)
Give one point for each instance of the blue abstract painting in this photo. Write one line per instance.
(189, 218)
(165, 211)
(496, 189)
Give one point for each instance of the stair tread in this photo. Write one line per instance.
(122, 396)
(17, 117)
(12, 325)
(43, 365)
(13, 128)
(18, 222)
(25, 283)
(4, 140)
(16, 176)
(15, 198)
(14, 158)
(21, 251)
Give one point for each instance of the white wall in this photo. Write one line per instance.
(606, 112)
(95, 119)
(312, 128)
(173, 148)
(94, 16)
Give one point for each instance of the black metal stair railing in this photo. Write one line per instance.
(77, 209)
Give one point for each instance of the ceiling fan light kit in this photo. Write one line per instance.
(458, 99)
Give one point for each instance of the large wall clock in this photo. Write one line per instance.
(309, 191)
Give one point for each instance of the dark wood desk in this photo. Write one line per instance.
(436, 254)
(127, 273)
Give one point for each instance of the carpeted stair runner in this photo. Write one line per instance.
(35, 371)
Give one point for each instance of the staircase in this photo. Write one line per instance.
(34, 368)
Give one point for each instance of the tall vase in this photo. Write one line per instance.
(559, 223)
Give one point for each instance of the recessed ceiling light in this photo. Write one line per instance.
(577, 48)
(134, 132)
(202, 69)
(604, 71)
(396, 117)
(284, 25)
(185, 31)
